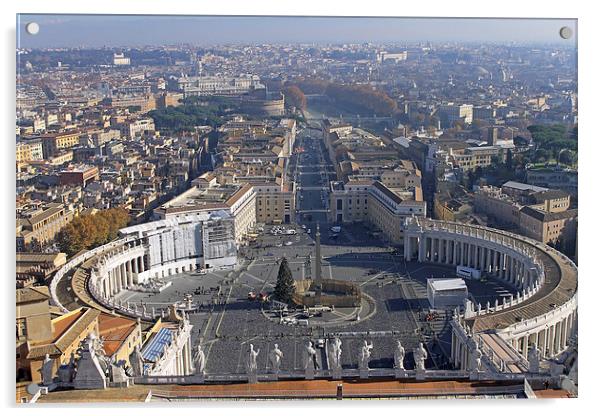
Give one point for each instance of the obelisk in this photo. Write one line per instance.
(318, 263)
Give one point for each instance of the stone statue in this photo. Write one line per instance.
(47, 370)
(276, 358)
(534, 356)
(334, 353)
(137, 362)
(199, 361)
(474, 354)
(399, 356)
(420, 355)
(252, 360)
(71, 366)
(309, 357)
(99, 350)
(117, 372)
(90, 373)
(475, 358)
(64, 374)
(365, 353)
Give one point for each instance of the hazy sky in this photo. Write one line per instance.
(107, 30)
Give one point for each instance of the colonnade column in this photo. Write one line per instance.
(112, 281)
(135, 268)
(432, 249)
(117, 272)
(406, 248)
(552, 341)
(564, 332)
(558, 345)
(469, 260)
(124, 275)
(544, 349)
(109, 284)
(128, 271)
(496, 262)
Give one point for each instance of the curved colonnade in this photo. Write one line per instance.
(542, 312)
(125, 264)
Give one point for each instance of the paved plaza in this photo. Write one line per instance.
(394, 306)
(394, 303)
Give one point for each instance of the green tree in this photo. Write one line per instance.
(542, 155)
(567, 157)
(285, 284)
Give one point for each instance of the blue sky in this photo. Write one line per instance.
(124, 31)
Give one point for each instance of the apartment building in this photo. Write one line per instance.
(53, 143)
(206, 195)
(375, 203)
(79, 175)
(558, 229)
(29, 150)
(218, 85)
(450, 113)
(275, 204)
(539, 213)
(556, 178)
(41, 223)
(473, 157)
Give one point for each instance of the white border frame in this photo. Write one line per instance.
(589, 64)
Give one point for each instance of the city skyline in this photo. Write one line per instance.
(113, 30)
(376, 217)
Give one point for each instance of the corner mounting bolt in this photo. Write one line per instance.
(32, 28)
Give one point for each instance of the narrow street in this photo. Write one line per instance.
(312, 172)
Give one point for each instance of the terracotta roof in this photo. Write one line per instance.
(298, 389)
(552, 394)
(549, 194)
(66, 330)
(548, 216)
(390, 194)
(59, 325)
(114, 330)
(238, 194)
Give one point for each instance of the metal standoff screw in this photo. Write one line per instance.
(32, 28)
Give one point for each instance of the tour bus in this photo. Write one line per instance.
(335, 229)
(468, 272)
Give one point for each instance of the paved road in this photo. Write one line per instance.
(312, 172)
